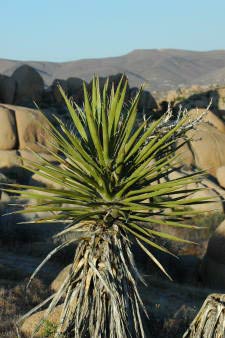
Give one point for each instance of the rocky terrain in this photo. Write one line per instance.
(200, 269)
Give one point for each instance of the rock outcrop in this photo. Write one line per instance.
(209, 190)
(29, 85)
(74, 84)
(9, 159)
(221, 98)
(147, 102)
(57, 282)
(57, 98)
(206, 148)
(31, 133)
(197, 96)
(213, 264)
(8, 129)
(31, 322)
(7, 89)
(209, 117)
(22, 130)
(220, 175)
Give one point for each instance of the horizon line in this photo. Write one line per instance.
(112, 57)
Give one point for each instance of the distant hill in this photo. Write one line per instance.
(159, 69)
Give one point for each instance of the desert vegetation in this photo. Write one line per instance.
(39, 158)
(110, 191)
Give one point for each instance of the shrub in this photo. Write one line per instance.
(111, 172)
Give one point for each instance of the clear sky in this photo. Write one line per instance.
(54, 30)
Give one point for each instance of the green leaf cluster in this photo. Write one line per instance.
(112, 169)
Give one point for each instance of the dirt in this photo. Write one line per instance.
(24, 265)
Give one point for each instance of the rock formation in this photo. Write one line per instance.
(29, 86)
(213, 264)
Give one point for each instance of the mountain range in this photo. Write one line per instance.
(158, 69)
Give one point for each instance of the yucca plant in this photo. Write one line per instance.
(111, 170)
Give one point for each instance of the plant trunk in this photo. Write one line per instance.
(102, 299)
(210, 320)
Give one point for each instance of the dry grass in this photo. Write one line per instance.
(14, 302)
(171, 306)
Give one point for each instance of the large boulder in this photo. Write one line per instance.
(209, 190)
(192, 99)
(23, 129)
(31, 322)
(74, 84)
(29, 85)
(215, 202)
(77, 85)
(147, 103)
(40, 181)
(220, 175)
(201, 97)
(213, 264)
(186, 155)
(57, 282)
(30, 123)
(8, 130)
(57, 97)
(221, 98)
(27, 156)
(209, 148)
(216, 245)
(209, 117)
(9, 159)
(206, 148)
(113, 80)
(7, 89)
(10, 165)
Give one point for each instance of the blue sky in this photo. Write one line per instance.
(53, 30)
